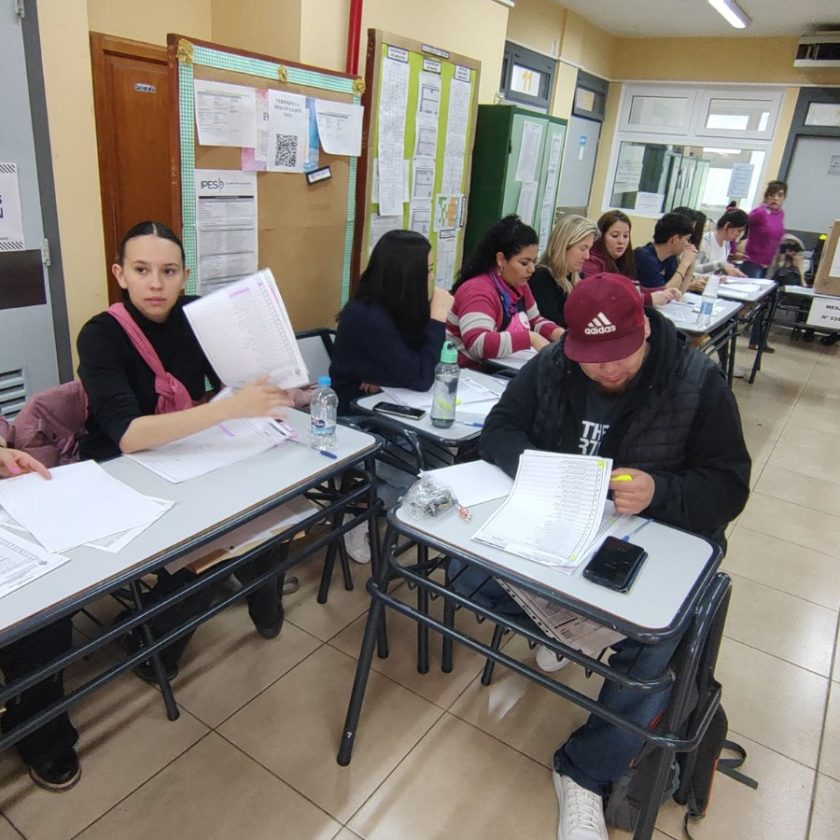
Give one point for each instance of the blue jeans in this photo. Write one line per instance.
(755, 271)
(598, 753)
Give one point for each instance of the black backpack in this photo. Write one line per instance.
(691, 774)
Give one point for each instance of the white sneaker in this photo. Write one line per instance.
(739, 372)
(581, 811)
(549, 661)
(357, 543)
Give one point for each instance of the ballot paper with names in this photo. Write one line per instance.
(554, 512)
(22, 561)
(79, 504)
(245, 332)
(220, 446)
(560, 623)
(469, 391)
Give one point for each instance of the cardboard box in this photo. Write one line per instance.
(824, 313)
(827, 281)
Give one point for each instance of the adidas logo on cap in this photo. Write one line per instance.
(600, 325)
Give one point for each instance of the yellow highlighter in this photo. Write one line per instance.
(622, 478)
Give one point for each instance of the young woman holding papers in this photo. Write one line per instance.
(391, 333)
(131, 408)
(494, 313)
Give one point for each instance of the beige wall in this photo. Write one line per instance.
(150, 20)
(538, 25)
(323, 33)
(269, 28)
(765, 60)
(67, 79)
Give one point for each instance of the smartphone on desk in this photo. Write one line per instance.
(405, 412)
(615, 564)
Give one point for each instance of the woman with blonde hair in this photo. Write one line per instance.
(560, 265)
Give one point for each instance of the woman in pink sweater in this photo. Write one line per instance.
(494, 313)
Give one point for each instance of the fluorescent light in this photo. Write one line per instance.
(731, 12)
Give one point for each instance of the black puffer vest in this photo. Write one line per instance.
(655, 424)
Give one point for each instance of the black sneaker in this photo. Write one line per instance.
(266, 611)
(57, 774)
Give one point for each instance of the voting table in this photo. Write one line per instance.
(206, 509)
(678, 593)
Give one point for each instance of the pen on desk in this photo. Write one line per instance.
(626, 537)
(474, 425)
(325, 452)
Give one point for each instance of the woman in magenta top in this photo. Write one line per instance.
(766, 229)
(494, 313)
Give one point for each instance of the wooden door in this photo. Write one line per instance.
(132, 102)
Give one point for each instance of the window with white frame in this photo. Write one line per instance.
(690, 145)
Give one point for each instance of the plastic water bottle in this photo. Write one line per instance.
(445, 392)
(707, 302)
(323, 412)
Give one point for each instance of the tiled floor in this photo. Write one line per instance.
(440, 756)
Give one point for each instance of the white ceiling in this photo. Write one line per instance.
(671, 18)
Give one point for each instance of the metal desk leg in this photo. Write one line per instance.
(423, 609)
(375, 621)
(769, 312)
(172, 711)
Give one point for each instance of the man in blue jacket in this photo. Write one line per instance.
(621, 383)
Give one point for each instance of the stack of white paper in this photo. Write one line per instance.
(555, 512)
(470, 390)
(79, 504)
(474, 482)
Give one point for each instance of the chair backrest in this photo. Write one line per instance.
(316, 347)
(50, 424)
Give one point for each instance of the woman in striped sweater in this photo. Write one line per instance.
(494, 313)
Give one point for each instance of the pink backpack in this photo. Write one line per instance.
(50, 425)
(172, 394)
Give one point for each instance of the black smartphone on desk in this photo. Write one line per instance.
(396, 410)
(615, 564)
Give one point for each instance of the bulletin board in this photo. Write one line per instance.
(420, 114)
(304, 231)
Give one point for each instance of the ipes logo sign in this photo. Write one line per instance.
(215, 184)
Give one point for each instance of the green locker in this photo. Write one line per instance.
(500, 157)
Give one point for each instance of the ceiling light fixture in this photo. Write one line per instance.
(731, 12)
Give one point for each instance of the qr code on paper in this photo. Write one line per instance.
(285, 150)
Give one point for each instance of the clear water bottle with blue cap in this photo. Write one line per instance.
(707, 301)
(445, 393)
(323, 411)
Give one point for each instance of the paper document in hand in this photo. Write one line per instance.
(562, 624)
(214, 448)
(79, 504)
(474, 482)
(245, 332)
(554, 511)
(22, 561)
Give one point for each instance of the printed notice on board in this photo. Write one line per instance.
(529, 151)
(457, 121)
(288, 131)
(393, 103)
(226, 226)
(339, 127)
(11, 221)
(225, 115)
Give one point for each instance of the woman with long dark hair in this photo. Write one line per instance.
(494, 313)
(390, 332)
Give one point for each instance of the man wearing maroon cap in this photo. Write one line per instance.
(621, 383)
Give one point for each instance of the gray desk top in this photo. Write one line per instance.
(676, 562)
(202, 505)
(682, 314)
(457, 434)
(802, 291)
